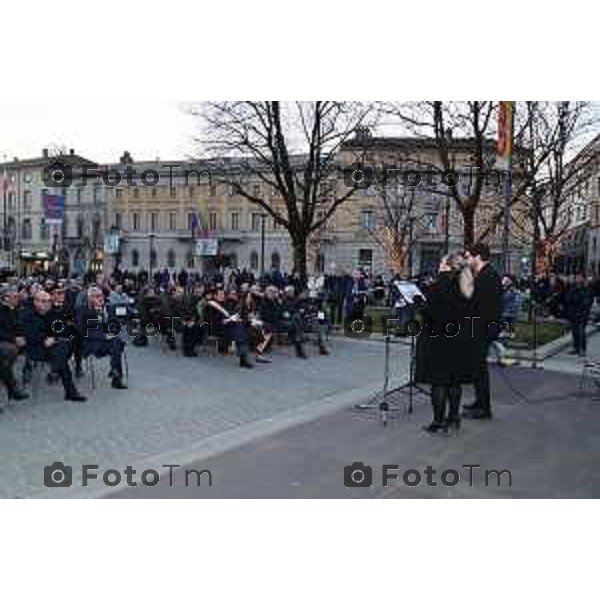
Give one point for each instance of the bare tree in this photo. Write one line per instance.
(289, 149)
(555, 133)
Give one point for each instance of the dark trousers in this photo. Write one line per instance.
(8, 355)
(112, 347)
(445, 400)
(482, 377)
(57, 357)
(579, 337)
(189, 337)
(236, 332)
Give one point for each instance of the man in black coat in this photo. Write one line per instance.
(44, 344)
(100, 329)
(486, 318)
(578, 304)
(11, 341)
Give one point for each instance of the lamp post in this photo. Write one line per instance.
(150, 255)
(263, 218)
(447, 232)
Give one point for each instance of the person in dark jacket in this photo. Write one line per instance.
(486, 319)
(444, 344)
(44, 344)
(11, 341)
(227, 326)
(100, 329)
(578, 304)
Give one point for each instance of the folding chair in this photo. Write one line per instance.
(90, 361)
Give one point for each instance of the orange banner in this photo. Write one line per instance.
(505, 129)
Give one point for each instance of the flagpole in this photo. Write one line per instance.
(4, 215)
(507, 192)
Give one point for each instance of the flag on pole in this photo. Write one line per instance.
(194, 224)
(505, 133)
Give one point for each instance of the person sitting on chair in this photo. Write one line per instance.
(229, 326)
(100, 335)
(44, 344)
(11, 341)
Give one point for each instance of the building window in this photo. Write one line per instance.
(256, 218)
(64, 229)
(135, 258)
(136, 221)
(367, 220)
(80, 226)
(189, 259)
(171, 258)
(173, 192)
(254, 261)
(79, 195)
(118, 192)
(96, 193)
(27, 201)
(191, 191)
(44, 230)
(154, 192)
(136, 192)
(320, 262)
(256, 190)
(233, 260)
(365, 258)
(429, 222)
(118, 220)
(26, 229)
(213, 191)
(172, 221)
(235, 221)
(154, 221)
(212, 221)
(275, 261)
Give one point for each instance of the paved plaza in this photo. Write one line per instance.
(177, 410)
(288, 430)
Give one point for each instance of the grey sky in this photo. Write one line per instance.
(100, 131)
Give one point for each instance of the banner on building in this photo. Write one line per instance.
(111, 243)
(505, 133)
(54, 208)
(207, 247)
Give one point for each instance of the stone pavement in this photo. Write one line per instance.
(178, 410)
(545, 431)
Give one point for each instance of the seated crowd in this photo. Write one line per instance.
(63, 322)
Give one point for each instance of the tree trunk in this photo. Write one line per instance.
(299, 251)
(468, 227)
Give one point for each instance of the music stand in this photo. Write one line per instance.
(408, 293)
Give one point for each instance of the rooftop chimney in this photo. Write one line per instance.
(45, 152)
(72, 152)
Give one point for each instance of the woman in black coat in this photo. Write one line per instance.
(444, 357)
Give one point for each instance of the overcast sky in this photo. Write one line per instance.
(100, 131)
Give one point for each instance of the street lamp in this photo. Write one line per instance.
(447, 224)
(151, 254)
(263, 218)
